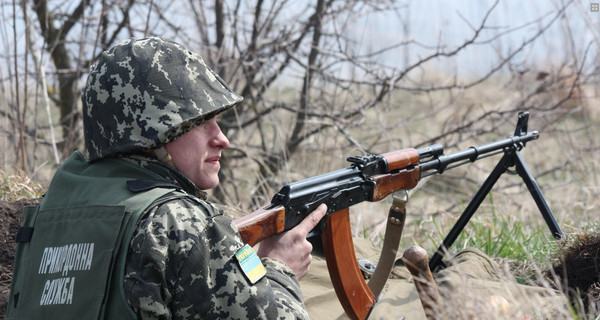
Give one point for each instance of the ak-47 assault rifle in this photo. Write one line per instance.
(372, 178)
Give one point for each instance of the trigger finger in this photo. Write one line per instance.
(317, 215)
(313, 218)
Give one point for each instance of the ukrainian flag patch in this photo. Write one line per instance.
(250, 264)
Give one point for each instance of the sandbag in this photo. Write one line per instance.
(399, 299)
(473, 286)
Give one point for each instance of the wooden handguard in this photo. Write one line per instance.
(417, 262)
(385, 184)
(401, 159)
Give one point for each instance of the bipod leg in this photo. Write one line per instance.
(537, 195)
(504, 163)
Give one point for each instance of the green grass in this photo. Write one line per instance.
(494, 233)
(524, 246)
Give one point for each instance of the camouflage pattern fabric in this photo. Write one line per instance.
(181, 264)
(142, 94)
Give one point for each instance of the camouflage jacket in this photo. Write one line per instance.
(181, 264)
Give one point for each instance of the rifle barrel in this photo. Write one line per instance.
(441, 162)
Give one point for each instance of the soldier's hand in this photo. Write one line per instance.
(291, 247)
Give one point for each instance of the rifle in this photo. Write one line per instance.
(372, 178)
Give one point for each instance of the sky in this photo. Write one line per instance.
(432, 23)
(450, 23)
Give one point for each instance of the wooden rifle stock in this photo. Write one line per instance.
(261, 224)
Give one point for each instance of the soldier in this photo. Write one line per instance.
(127, 231)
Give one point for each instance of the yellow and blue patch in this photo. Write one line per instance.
(250, 264)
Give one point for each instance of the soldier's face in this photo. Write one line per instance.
(196, 153)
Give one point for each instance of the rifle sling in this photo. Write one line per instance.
(393, 233)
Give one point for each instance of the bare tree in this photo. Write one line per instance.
(313, 90)
(57, 25)
(338, 85)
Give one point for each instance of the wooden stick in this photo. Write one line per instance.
(417, 262)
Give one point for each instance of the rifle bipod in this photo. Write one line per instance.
(512, 158)
(373, 177)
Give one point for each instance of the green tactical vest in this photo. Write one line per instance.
(71, 250)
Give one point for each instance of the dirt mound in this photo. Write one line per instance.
(11, 218)
(578, 266)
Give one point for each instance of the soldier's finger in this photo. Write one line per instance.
(312, 219)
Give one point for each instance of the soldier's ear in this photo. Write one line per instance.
(163, 156)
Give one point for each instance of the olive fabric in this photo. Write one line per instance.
(399, 299)
(473, 286)
(72, 263)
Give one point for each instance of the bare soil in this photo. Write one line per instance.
(11, 218)
(579, 267)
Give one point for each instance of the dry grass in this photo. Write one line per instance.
(18, 185)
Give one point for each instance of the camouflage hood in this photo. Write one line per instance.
(143, 94)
